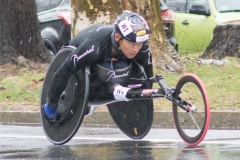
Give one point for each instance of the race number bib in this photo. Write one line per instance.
(120, 92)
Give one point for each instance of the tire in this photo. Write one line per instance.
(71, 105)
(49, 45)
(192, 126)
(134, 118)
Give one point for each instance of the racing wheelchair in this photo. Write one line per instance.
(190, 104)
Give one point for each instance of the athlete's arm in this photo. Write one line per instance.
(85, 54)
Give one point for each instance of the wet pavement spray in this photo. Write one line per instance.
(29, 142)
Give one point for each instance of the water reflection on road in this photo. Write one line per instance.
(144, 150)
(29, 142)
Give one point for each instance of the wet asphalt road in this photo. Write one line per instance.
(29, 142)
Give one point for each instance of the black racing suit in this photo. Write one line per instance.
(93, 45)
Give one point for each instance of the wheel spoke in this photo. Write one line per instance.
(194, 120)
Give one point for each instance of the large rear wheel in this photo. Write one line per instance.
(134, 118)
(71, 105)
(192, 126)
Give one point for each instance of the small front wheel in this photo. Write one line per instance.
(192, 126)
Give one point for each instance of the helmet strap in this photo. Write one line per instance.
(118, 43)
(121, 39)
(115, 43)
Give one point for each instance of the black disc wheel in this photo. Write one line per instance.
(192, 126)
(134, 118)
(71, 105)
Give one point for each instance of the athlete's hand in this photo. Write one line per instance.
(148, 92)
(120, 92)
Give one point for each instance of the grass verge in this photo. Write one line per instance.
(24, 86)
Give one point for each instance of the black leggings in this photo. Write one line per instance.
(60, 79)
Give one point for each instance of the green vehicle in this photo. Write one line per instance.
(196, 20)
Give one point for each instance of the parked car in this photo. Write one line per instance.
(55, 22)
(196, 19)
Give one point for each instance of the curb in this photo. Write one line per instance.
(163, 119)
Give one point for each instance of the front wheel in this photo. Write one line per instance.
(192, 126)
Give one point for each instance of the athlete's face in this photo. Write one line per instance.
(130, 49)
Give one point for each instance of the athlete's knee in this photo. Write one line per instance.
(65, 70)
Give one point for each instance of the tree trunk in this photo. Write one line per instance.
(19, 31)
(164, 55)
(88, 12)
(225, 41)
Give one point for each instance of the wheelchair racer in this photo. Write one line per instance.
(111, 46)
